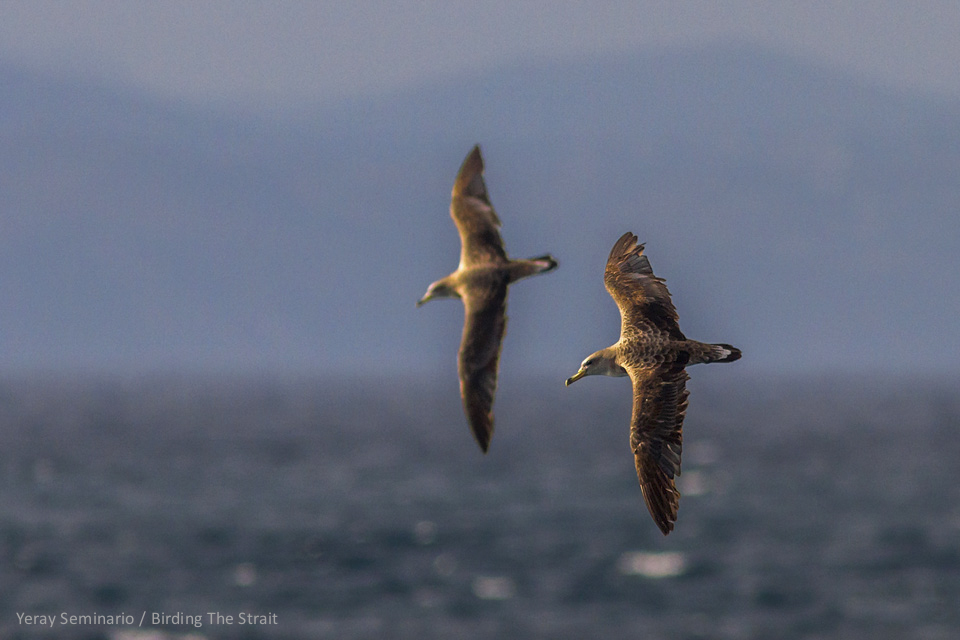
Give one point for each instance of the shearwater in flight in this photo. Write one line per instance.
(481, 281)
(654, 353)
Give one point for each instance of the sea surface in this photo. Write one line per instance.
(192, 508)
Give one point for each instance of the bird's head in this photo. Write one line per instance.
(439, 289)
(601, 363)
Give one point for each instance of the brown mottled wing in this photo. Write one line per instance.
(642, 297)
(476, 221)
(483, 330)
(656, 437)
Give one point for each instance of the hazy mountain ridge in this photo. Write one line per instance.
(800, 214)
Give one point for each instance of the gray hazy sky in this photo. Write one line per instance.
(267, 55)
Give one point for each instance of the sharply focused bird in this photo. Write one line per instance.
(654, 353)
(481, 282)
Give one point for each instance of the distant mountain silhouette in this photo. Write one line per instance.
(806, 216)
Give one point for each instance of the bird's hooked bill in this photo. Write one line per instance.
(427, 297)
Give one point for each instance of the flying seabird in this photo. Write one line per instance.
(653, 352)
(481, 282)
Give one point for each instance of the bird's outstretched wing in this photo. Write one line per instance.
(656, 436)
(476, 221)
(484, 326)
(642, 297)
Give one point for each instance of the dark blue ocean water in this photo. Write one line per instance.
(811, 509)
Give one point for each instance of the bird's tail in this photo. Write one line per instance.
(545, 263)
(724, 353)
(520, 269)
(704, 352)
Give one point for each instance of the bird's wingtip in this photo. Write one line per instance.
(467, 181)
